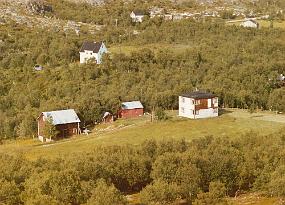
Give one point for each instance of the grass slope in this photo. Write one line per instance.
(231, 124)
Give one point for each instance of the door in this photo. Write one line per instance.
(65, 133)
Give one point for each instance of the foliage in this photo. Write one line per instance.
(216, 194)
(276, 185)
(175, 168)
(204, 171)
(161, 114)
(277, 100)
(9, 192)
(160, 192)
(105, 195)
(49, 130)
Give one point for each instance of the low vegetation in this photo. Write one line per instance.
(205, 170)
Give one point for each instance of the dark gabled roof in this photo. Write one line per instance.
(139, 13)
(253, 21)
(199, 95)
(91, 46)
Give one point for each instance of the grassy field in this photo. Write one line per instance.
(264, 24)
(231, 124)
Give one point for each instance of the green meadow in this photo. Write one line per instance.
(231, 124)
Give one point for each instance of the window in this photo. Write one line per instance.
(197, 102)
(183, 100)
(74, 131)
(215, 100)
(193, 102)
(182, 109)
(196, 112)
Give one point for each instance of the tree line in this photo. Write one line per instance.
(205, 171)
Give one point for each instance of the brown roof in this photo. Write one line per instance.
(199, 95)
(91, 46)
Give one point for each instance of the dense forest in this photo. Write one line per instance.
(205, 171)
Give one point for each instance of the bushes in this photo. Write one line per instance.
(176, 169)
(276, 100)
(216, 195)
(204, 172)
(104, 194)
(276, 185)
(123, 166)
(160, 192)
(9, 192)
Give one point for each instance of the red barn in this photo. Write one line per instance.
(65, 121)
(131, 109)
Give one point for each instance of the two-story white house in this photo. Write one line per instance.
(92, 50)
(137, 16)
(198, 104)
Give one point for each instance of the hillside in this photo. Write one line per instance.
(221, 153)
(231, 124)
(236, 158)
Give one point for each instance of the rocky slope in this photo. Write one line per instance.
(32, 15)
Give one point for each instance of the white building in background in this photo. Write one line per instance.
(137, 16)
(92, 50)
(198, 104)
(250, 24)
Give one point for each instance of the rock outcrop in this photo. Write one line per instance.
(38, 7)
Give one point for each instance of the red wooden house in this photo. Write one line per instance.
(65, 121)
(131, 109)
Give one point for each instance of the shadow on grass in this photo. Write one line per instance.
(224, 111)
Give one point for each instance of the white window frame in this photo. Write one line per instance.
(196, 112)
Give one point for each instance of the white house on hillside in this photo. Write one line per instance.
(250, 24)
(198, 104)
(137, 16)
(92, 50)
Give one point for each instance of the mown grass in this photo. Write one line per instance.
(136, 131)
